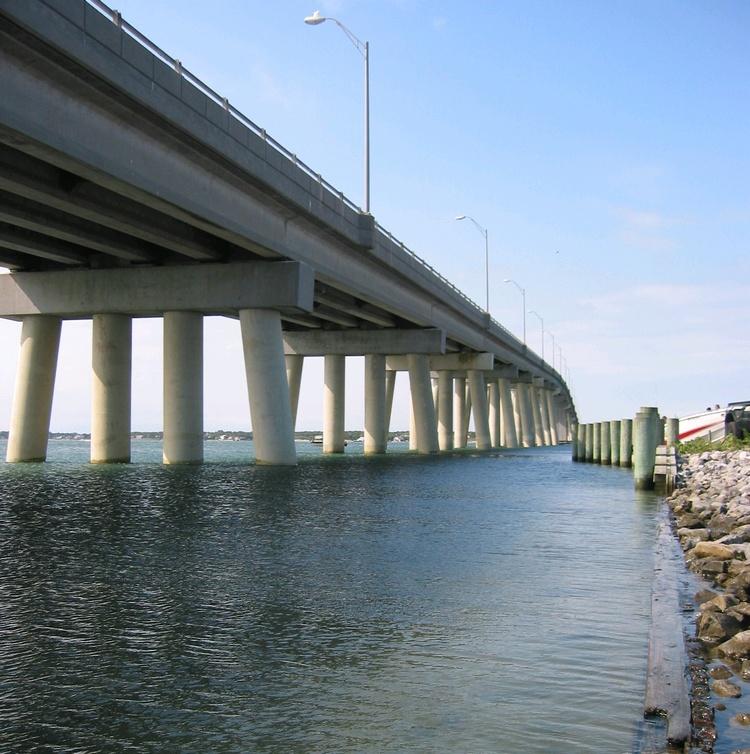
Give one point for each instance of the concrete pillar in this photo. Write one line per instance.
(515, 397)
(434, 382)
(536, 413)
(527, 416)
(35, 386)
(425, 423)
(626, 443)
(111, 388)
(183, 387)
(445, 410)
(375, 428)
(644, 450)
(412, 427)
(614, 442)
(334, 379)
(294, 363)
(553, 417)
(467, 415)
(494, 415)
(672, 429)
(267, 388)
(510, 438)
(597, 457)
(544, 413)
(390, 387)
(459, 411)
(580, 442)
(605, 445)
(478, 393)
(589, 443)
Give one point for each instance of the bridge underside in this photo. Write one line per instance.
(127, 191)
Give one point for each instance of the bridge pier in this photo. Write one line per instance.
(445, 409)
(510, 438)
(267, 389)
(516, 402)
(375, 404)
(294, 364)
(334, 378)
(527, 415)
(478, 392)
(536, 413)
(496, 439)
(544, 414)
(589, 448)
(554, 417)
(423, 407)
(112, 336)
(459, 411)
(390, 387)
(626, 443)
(605, 444)
(183, 387)
(35, 384)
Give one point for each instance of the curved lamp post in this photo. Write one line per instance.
(541, 320)
(523, 296)
(364, 49)
(483, 231)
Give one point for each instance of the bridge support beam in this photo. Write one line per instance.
(267, 388)
(478, 391)
(510, 438)
(580, 443)
(111, 388)
(183, 387)
(554, 417)
(334, 379)
(496, 439)
(35, 384)
(423, 408)
(536, 413)
(515, 399)
(445, 410)
(597, 449)
(390, 387)
(527, 419)
(375, 426)
(294, 364)
(459, 411)
(541, 395)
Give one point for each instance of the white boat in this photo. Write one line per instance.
(716, 423)
(317, 440)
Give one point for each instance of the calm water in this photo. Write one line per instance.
(475, 603)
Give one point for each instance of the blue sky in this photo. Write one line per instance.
(603, 144)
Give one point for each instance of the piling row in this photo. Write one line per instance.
(626, 443)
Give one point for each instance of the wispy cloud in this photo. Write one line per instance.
(439, 22)
(647, 229)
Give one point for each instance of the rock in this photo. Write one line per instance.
(726, 688)
(704, 596)
(708, 567)
(743, 718)
(713, 550)
(690, 521)
(745, 670)
(720, 603)
(715, 627)
(737, 646)
(721, 706)
(720, 673)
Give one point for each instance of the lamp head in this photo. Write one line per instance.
(460, 217)
(507, 280)
(315, 19)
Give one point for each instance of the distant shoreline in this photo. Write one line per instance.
(219, 434)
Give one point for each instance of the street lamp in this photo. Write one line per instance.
(483, 231)
(523, 295)
(542, 322)
(364, 49)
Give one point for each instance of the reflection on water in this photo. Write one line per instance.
(476, 603)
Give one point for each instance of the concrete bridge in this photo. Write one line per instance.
(128, 188)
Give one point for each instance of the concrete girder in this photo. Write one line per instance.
(36, 245)
(35, 180)
(364, 342)
(154, 290)
(454, 362)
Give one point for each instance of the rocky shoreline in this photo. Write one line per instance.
(711, 508)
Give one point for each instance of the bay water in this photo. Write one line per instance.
(474, 602)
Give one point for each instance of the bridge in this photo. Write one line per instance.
(128, 188)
